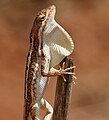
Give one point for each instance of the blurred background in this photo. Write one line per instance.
(87, 21)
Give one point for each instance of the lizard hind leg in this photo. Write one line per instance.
(47, 107)
(35, 112)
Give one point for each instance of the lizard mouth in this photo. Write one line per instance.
(52, 8)
(50, 13)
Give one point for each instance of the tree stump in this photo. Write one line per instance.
(63, 92)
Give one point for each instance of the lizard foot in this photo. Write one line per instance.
(65, 71)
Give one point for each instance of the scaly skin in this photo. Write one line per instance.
(38, 67)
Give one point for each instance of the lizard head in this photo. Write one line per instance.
(45, 15)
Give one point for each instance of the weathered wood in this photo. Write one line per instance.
(63, 92)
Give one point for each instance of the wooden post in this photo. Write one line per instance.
(63, 93)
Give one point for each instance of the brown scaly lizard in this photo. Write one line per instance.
(49, 45)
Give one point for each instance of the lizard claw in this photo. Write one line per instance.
(70, 68)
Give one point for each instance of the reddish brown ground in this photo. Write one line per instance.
(88, 23)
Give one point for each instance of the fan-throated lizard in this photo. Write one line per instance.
(49, 45)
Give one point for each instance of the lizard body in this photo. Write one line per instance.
(46, 51)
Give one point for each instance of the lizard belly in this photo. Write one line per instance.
(43, 81)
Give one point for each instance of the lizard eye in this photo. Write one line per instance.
(42, 18)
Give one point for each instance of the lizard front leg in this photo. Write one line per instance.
(55, 72)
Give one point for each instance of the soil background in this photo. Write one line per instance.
(87, 21)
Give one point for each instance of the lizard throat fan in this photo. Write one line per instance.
(57, 38)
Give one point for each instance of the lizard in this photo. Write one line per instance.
(49, 45)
